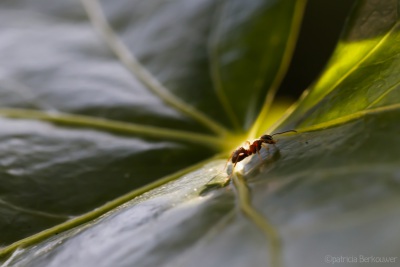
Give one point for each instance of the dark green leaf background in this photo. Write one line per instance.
(330, 190)
(56, 68)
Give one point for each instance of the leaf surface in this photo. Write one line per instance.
(363, 72)
(329, 191)
(88, 117)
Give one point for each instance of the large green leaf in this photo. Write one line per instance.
(327, 195)
(87, 118)
(362, 74)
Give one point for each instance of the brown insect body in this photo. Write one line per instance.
(241, 153)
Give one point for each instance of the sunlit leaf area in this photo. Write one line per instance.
(165, 133)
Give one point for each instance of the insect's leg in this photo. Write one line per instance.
(226, 164)
(258, 154)
(233, 169)
(276, 148)
(266, 147)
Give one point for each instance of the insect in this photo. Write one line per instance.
(252, 148)
(243, 152)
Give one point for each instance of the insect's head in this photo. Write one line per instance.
(267, 139)
(270, 140)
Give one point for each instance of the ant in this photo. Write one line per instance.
(241, 153)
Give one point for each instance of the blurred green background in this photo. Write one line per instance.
(323, 22)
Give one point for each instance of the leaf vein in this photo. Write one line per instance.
(272, 235)
(6, 251)
(100, 23)
(33, 212)
(114, 126)
(348, 118)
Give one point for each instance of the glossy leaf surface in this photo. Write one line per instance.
(363, 72)
(88, 117)
(329, 191)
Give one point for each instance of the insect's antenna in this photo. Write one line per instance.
(284, 132)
